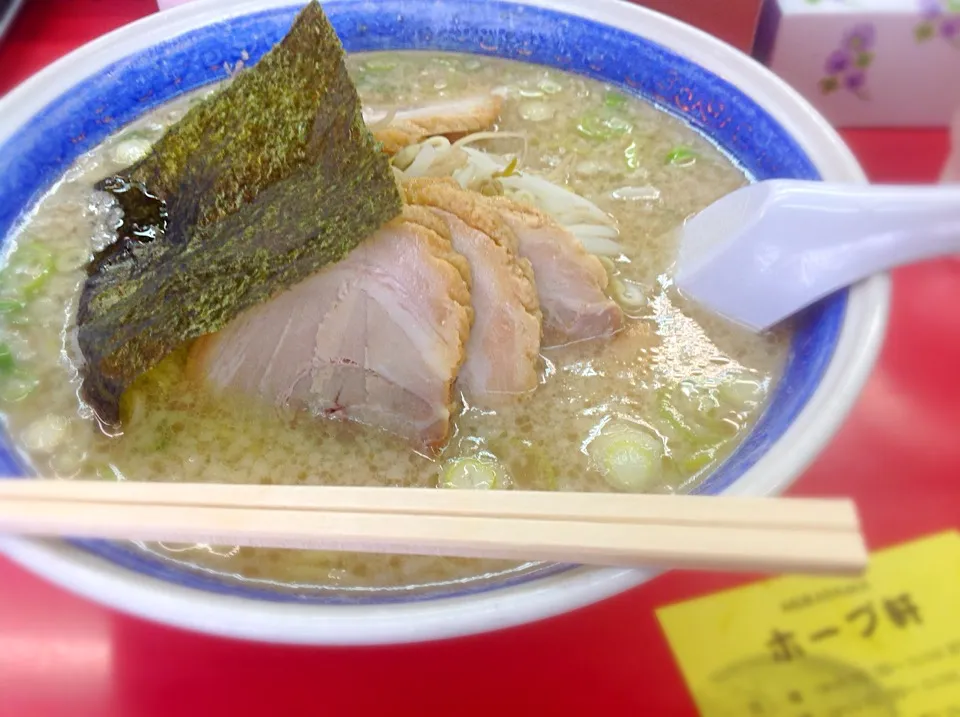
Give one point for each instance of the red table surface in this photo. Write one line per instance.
(60, 655)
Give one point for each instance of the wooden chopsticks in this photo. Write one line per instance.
(693, 532)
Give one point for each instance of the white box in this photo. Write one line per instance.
(867, 63)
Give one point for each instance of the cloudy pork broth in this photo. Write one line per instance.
(652, 408)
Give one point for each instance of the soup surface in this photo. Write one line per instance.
(691, 383)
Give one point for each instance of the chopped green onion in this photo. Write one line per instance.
(628, 457)
(694, 412)
(7, 362)
(29, 269)
(105, 471)
(681, 157)
(692, 463)
(597, 126)
(675, 420)
(507, 171)
(743, 392)
(550, 86)
(11, 306)
(630, 153)
(17, 387)
(46, 433)
(608, 264)
(475, 472)
(629, 295)
(614, 99)
(34, 286)
(705, 417)
(404, 158)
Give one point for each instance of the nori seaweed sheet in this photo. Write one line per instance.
(252, 191)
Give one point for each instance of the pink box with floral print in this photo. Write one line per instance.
(867, 63)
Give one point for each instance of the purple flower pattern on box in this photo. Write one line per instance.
(940, 19)
(846, 67)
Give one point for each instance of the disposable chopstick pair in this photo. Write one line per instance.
(692, 532)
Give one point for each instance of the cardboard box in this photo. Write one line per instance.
(867, 63)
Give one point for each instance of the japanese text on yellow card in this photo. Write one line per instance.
(884, 644)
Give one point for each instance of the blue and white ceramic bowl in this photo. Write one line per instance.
(77, 102)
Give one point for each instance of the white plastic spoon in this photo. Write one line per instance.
(770, 249)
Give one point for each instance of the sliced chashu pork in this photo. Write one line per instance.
(504, 346)
(377, 338)
(571, 282)
(450, 118)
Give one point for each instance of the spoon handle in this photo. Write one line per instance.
(792, 242)
(880, 226)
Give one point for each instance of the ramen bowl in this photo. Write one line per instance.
(764, 126)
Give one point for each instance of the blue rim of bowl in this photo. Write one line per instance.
(102, 104)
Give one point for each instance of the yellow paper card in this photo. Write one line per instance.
(885, 644)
